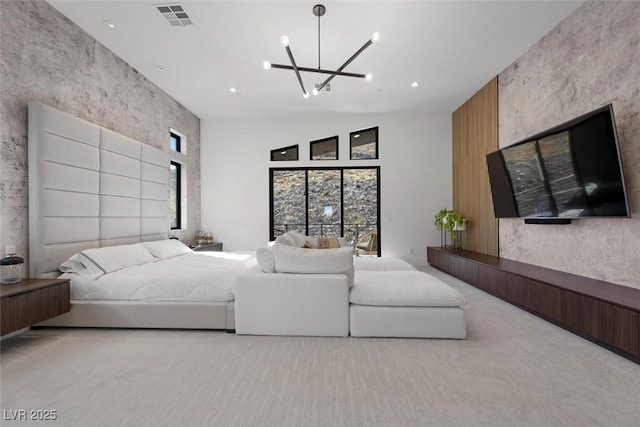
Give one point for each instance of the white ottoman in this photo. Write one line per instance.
(410, 304)
(365, 263)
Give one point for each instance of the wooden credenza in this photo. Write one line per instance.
(602, 312)
(32, 301)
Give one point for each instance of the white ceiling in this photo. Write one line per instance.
(451, 47)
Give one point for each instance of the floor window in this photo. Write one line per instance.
(175, 196)
(328, 202)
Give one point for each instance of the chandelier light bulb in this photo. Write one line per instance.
(284, 41)
(415, 84)
(315, 91)
(368, 77)
(266, 65)
(305, 94)
(375, 37)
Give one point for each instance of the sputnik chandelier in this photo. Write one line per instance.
(319, 10)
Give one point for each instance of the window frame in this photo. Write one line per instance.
(278, 151)
(178, 137)
(358, 132)
(341, 169)
(320, 141)
(178, 191)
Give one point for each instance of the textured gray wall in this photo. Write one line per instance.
(46, 57)
(590, 59)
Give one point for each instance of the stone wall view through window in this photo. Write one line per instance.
(328, 202)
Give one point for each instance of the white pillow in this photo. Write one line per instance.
(344, 242)
(266, 259)
(285, 239)
(93, 263)
(164, 249)
(315, 261)
(85, 269)
(299, 238)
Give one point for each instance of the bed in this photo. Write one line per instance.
(91, 188)
(169, 286)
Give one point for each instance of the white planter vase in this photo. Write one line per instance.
(455, 243)
(462, 227)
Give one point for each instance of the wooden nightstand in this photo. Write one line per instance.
(209, 247)
(32, 301)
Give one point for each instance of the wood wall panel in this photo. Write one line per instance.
(475, 133)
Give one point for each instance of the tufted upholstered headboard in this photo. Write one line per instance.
(89, 187)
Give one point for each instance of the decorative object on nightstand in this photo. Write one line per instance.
(11, 269)
(204, 243)
(204, 238)
(209, 247)
(449, 222)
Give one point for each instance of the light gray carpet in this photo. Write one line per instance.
(513, 370)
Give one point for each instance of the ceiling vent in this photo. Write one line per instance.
(176, 15)
(325, 88)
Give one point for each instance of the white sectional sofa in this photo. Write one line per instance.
(328, 292)
(300, 292)
(292, 304)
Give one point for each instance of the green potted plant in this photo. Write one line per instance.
(450, 221)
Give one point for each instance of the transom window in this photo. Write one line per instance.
(285, 154)
(363, 144)
(175, 142)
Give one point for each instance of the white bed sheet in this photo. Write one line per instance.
(197, 276)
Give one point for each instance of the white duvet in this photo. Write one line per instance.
(197, 276)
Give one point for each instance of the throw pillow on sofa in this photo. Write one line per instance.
(314, 261)
(265, 259)
(285, 239)
(300, 240)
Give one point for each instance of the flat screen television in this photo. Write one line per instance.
(573, 170)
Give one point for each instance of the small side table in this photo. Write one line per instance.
(209, 247)
(33, 301)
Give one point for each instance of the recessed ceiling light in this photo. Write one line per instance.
(109, 24)
(232, 90)
(415, 84)
(160, 68)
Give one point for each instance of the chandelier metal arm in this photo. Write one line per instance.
(343, 66)
(295, 68)
(319, 10)
(317, 70)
